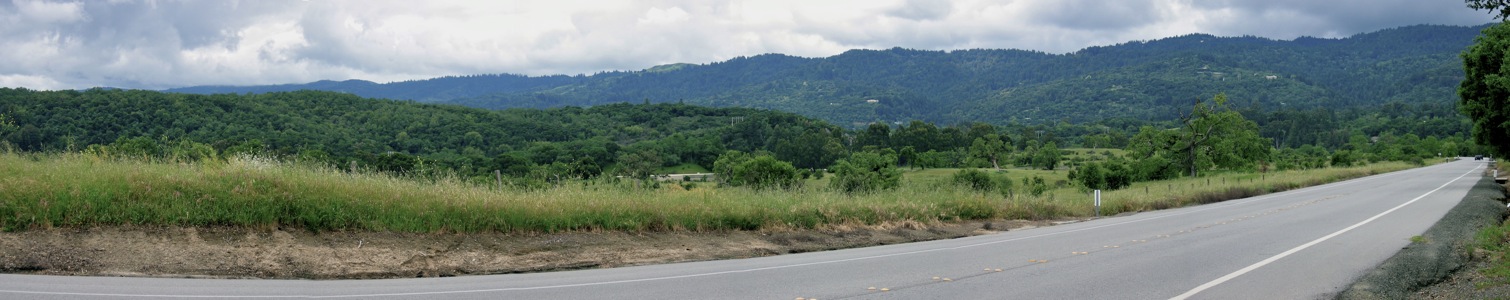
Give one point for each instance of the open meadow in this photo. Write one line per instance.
(80, 190)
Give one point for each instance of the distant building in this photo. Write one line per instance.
(1271, 77)
(872, 101)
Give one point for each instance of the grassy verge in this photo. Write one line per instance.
(44, 190)
(1492, 244)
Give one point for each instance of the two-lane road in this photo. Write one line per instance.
(1300, 244)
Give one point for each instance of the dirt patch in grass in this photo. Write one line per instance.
(294, 253)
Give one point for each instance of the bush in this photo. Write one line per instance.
(1154, 168)
(392, 163)
(1118, 176)
(726, 163)
(865, 172)
(766, 172)
(1035, 185)
(1005, 186)
(1091, 176)
(137, 147)
(1343, 158)
(975, 179)
(1108, 175)
(761, 172)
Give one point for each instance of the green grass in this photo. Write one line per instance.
(1091, 154)
(1015, 174)
(1493, 241)
(46, 190)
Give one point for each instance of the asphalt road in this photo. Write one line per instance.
(1301, 244)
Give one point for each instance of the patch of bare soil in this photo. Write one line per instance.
(293, 253)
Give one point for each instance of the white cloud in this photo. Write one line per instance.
(169, 43)
(657, 15)
(30, 81)
(49, 12)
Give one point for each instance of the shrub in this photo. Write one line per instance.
(726, 163)
(736, 168)
(1035, 185)
(1091, 176)
(865, 172)
(1118, 175)
(1343, 158)
(1107, 175)
(764, 172)
(974, 179)
(392, 163)
(1005, 186)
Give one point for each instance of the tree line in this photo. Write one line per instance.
(746, 146)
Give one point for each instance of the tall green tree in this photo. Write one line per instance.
(7, 126)
(639, 164)
(907, 157)
(1047, 156)
(1217, 136)
(876, 134)
(990, 147)
(1211, 136)
(810, 150)
(1485, 91)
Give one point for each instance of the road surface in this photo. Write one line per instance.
(1301, 244)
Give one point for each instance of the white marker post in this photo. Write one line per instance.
(1098, 203)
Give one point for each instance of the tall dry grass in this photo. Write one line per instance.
(45, 190)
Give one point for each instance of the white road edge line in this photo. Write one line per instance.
(1194, 210)
(1260, 264)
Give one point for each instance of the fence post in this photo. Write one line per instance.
(499, 175)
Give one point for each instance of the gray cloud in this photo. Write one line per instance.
(1097, 14)
(922, 10)
(1338, 18)
(54, 44)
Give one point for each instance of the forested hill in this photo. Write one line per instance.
(1150, 80)
(428, 90)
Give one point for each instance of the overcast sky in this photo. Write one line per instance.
(163, 44)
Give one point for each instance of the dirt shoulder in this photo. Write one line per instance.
(290, 253)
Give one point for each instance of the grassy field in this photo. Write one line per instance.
(687, 168)
(46, 190)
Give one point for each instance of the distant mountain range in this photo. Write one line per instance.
(1149, 80)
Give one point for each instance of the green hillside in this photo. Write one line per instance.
(1149, 80)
